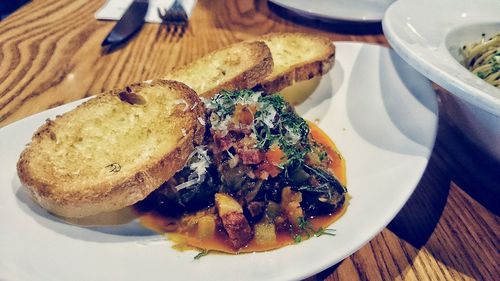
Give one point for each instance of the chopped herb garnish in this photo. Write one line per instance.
(308, 230)
(324, 231)
(274, 122)
(303, 223)
(225, 102)
(288, 130)
(481, 74)
(201, 254)
(297, 239)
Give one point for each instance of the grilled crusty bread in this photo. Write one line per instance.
(271, 62)
(296, 57)
(112, 150)
(239, 66)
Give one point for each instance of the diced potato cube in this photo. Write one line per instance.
(290, 203)
(227, 204)
(189, 222)
(206, 227)
(265, 233)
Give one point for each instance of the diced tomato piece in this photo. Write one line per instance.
(251, 156)
(275, 155)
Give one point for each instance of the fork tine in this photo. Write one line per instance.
(166, 17)
(175, 17)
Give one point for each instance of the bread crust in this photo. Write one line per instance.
(109, 195)
(304, 70)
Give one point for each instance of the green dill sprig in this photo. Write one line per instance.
(324, 231)
(297, 238)
(201, 254)
(305, 226)
(307, 230)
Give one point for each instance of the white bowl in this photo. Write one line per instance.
(427, 34)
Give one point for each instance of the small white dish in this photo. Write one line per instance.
(427, 34)
(366, 103)
(345, 10)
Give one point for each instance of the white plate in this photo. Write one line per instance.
(368, 103)
(427, 34)
(346, 10)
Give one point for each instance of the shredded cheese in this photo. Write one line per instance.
(199, 163)
(251, 99)
(222, 126)
(207, 102)
(292, 135)
(268, 115)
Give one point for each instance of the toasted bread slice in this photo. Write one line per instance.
(238, 66)
(296, 57)
(112, 150)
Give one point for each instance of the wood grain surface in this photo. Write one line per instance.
(50, 54)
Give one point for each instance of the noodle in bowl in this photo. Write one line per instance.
(483, 58)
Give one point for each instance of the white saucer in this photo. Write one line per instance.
(344, 10)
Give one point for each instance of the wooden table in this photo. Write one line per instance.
(50, 55)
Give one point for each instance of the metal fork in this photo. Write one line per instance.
(175, 18)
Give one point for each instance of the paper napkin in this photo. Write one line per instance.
(114, 9)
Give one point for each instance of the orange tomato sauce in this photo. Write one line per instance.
(338, 163)
(220, 243)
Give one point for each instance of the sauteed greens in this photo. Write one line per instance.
(259, 174)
